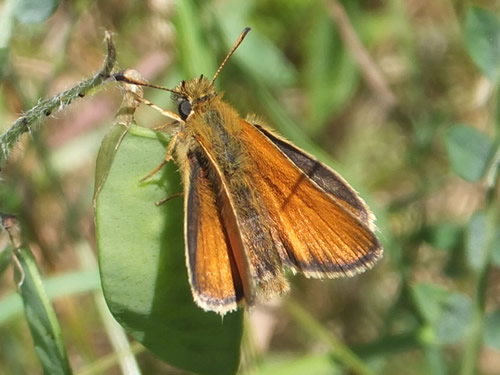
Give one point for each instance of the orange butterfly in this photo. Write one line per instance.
(255, 204)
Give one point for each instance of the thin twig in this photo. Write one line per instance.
(369, 69)
(12, 227)
(338, 349)
(31, 118)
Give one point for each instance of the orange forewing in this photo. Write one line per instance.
(329, 181)
(214, 277)
(322, 237)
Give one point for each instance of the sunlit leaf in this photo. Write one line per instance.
(449, 313)
(332, 75)
(61, 285)
(258, 54)
(492, 330)
(469, 151)
(495, 248)
(477, 237)
(141, 257)
(445, 235)
(41, 317)
(34, 11)
(482, 36)
(195, 57)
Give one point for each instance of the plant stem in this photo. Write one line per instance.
(338, 349)
(47, 107)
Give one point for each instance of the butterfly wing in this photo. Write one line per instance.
(215, 281)
(327, 179)
(326, 230)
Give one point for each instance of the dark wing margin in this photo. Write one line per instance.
(325, 231)
(327, 179)
(213, 275)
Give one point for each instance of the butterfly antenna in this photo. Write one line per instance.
(133, 77)
(235, 46)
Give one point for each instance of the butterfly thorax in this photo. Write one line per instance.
(213, 123)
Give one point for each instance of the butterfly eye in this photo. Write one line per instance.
(184, 109)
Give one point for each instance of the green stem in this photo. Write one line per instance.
(473, 347)
(339, 350)
(31, 118)
(40, 315)
(475, 337)
(107, 362)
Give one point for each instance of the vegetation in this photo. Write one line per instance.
(400, 97)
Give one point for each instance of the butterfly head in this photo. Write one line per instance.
(193, 95)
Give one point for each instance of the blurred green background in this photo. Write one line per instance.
(409, 116)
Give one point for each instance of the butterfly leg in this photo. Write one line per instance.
(164, 126)
(164, 112)
(165, 200)
(168, 157)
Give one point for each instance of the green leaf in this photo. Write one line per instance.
(445, 236)
(456, 315)
(7, 16)
(5, 259)
(477, 237)
(448, 313)
(482, 37)
(66, 284)
(194, 54)
(35, 11)
(142, 262)
(41, 317)
(427, 297)
(492, 330)
(469, 151)
(258, 54)
(495, 248)
(331, 74)
(107, 152)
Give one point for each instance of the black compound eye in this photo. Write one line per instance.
(184, 109)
